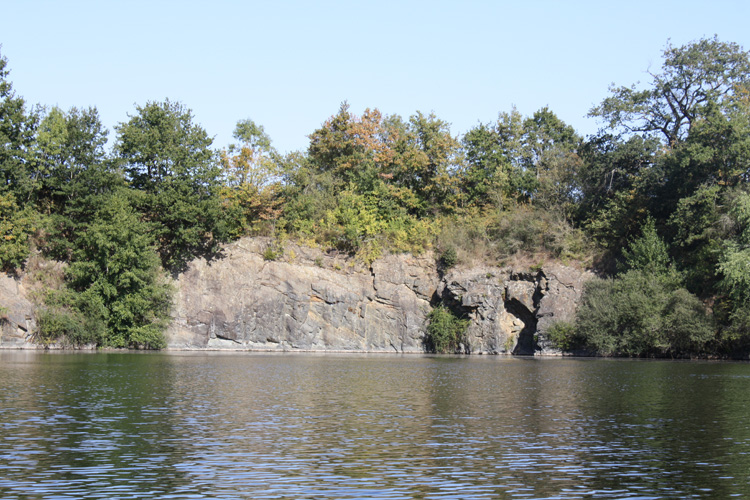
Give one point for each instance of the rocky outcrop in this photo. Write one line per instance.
(306, 300)
(510, 311)
(16, 316)
(310, 300)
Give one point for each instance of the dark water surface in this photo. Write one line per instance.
(197, 425)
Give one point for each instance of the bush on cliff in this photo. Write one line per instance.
(445, 331)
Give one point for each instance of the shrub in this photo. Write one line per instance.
(71, 327)
(642, 314)
(449, 257)
(564, 336)
(269, 254)
(445, 330)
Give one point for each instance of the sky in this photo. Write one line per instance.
(288, 65)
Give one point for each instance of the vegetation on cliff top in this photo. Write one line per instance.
(658, 201)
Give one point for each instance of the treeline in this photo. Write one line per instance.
(657, 201)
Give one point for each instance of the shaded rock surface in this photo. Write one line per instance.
(310, 300)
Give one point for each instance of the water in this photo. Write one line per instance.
(262, 426)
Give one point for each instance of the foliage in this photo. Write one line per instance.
(445, 331)
(18, 173)
(449, 257)
(115, 294)
(648, 253)
(67, 326)
(692, 79)
(564, 336)
(642, 314)
(115, 273)
(521, 230)
(15, 228)
(698, 229)
(79, 176)
(658, 200)
(250, 191)
(169, 162)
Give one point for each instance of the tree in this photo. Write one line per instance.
(497, 162)
(16, 226)
(693, 78)
(251, 180)
(352, 148)
(522, 159)
(17, 173)
(716, 152)
(78, 174)
(428, 162)
(169, 162)
(553, 153)
(648, 253)
(116, 280)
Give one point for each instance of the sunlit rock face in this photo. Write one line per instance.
(305, 300)
(310, 300)
(17, 318)
(510, 311)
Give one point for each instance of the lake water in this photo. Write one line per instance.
(211, 425)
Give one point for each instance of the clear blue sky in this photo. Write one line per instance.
(289, 64)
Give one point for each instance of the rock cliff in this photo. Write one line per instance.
(309, 300)
(17, 319)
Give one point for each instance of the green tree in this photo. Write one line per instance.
(648, 253)
(17, 166)
(251, 187)
(553, 152)
(169, 163)
(116, 278)
(16, 227)
(693, 78)
(79, 175)
(427, 162)
(498, 163)
(698, 235)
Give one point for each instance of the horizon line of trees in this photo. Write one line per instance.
(657, 201)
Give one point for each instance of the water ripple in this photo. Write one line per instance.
(179, 426)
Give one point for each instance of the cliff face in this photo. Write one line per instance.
(510, 311)
(308, 300)
(17, 319)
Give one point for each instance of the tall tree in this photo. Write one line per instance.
(251, 180)
(17, 125)
(115, 278)
(169, 162)
(78, 174)
(693, 78)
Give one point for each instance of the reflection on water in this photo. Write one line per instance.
(197, 425)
